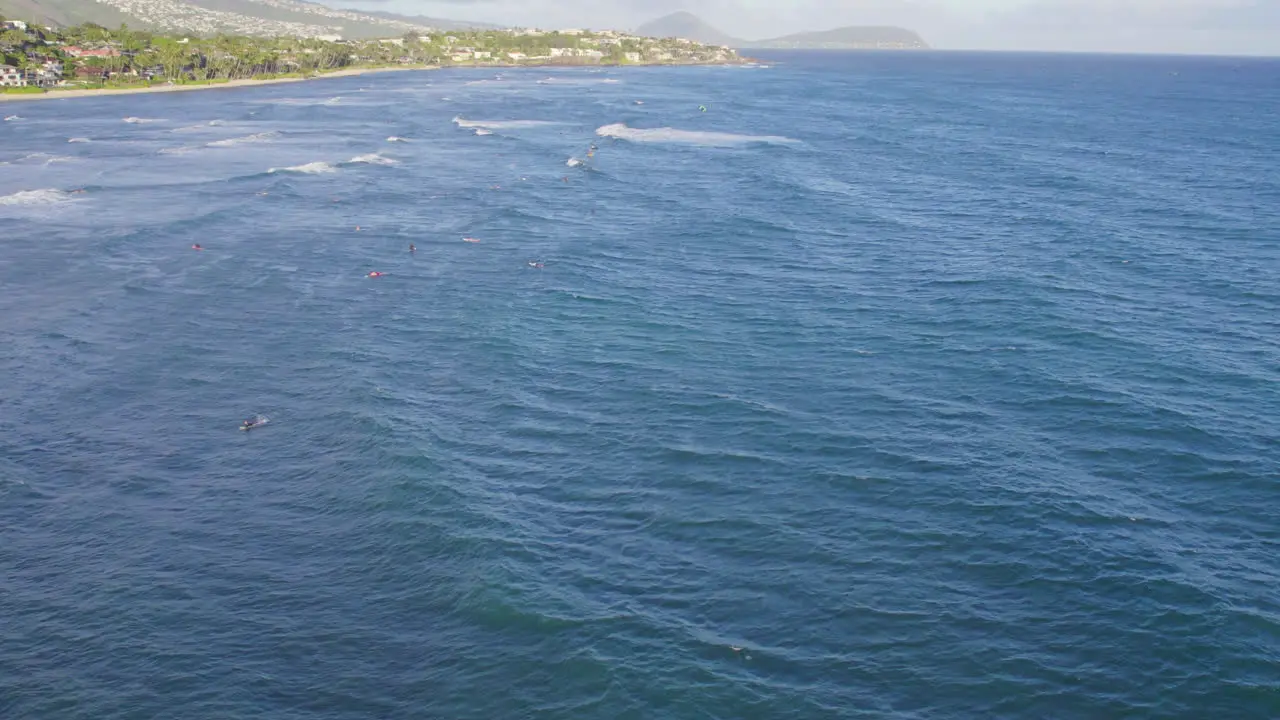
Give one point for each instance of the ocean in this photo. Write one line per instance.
(929, 385)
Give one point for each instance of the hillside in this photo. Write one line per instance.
(688, 25)
(847, 38)
(438, 23)
(259, 18)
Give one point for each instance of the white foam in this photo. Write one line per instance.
(687, 137)
(373, 159)
(482, 131)
(138, 120)
(12, 118)
(394, 138)
(501, 124)
(573, 162)
(313, 168)
(47, 196)
(77, 140)
(40, 157)
(254, 138)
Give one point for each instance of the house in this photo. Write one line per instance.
(14, 25)
(11, 76)
(571, 31)
(632, 57)
(85, 72)
(77, 52)
(563, 52)
(398, 42)
(517, 56)
(482, 55)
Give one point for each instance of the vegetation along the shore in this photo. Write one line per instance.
(89, 55)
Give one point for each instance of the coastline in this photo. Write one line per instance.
(347, 72)
(241, 83)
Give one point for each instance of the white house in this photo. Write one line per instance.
(482, 55)
(11, 76)
(14, 25)
(632, 57)
(517, 56)
(563, 52)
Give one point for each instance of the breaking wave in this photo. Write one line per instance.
(573, 162)
(47, 196)
(77, 140)
(313, 168)
(138, 120)
(620, 131)
(395, 138)
(501, 124)
(482, 131)
(372, 159)
(254, 138)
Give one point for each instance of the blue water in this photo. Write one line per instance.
(892, 386)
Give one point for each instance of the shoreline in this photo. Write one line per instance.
(241, 83)
(348, 72)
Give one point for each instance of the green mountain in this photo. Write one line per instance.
(690, 26)
(857, 37)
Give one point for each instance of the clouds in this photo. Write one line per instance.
(1225, 26)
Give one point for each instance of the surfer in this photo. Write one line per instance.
(375, 274)
(537, 265)
(249, 423)
(412, 248)
(196, 247)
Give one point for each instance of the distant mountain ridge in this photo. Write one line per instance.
(690, 26)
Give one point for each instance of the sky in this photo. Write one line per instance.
(1231, 27)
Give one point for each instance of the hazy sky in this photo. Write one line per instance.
(1198, 26)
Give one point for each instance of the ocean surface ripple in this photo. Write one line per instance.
(890, 386)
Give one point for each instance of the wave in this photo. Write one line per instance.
(620, 131)
(313, 168)
(77, 140)
(395, 138)
(185, 149)
(501, 124)
(372, 159)
(11, 118)
(482, 131)
(46, 158)
(254, 138)
(138, 120)
(573, 162)
(47, 196)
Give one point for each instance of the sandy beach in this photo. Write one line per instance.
(248, 82)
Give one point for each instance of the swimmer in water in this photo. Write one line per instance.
(196, 247)
(375, 274)
(537, 265)
(412, 248)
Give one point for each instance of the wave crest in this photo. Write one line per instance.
(46, 196)
(668, 135)
(501, 124)
(312, 168)
(372, 159)
(254, 138)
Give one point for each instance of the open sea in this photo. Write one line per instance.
(912, 386)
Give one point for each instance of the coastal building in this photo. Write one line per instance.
(632, 57)
(517, 56)
(11, 76)
(482, 55)
(572, 32)
(79, 52)
(14, 25)
(562, 52)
